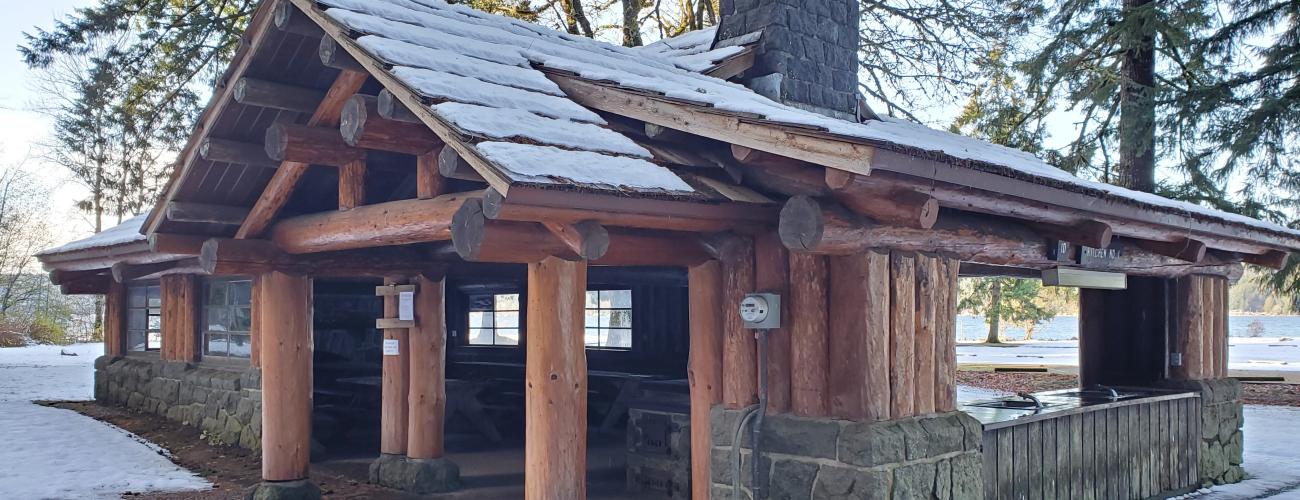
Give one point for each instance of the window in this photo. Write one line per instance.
(227, 318)
(143, 318)
(609, 319)
(494, 319)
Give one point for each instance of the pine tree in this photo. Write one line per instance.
(999, 299)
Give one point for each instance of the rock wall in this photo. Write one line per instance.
(1221, 421)
(224, 402)
(659, 452)
(934, 456)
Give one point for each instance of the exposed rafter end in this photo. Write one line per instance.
(883, 203)
(1273, 259)
(1185, 249)
(242, 153)
(362, 126)
(205, 213)
(123, 272)
(309, 145)
(289, 19)
(273, 95)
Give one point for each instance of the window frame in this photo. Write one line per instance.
(587, 310)
(470, 309)
(149, 312)
(231, 306)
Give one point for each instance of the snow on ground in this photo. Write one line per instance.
(54, 453)
(1282, 354)
(1271, 457)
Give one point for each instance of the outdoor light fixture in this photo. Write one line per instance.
(1083, 278)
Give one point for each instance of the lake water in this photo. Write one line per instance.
(1067, 328)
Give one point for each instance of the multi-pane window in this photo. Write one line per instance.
(494, 319)
(227, 318)
(143, 318)
(609, 319)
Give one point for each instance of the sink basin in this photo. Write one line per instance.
(1097, 395)
(1012, 404)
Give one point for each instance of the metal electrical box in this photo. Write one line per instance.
(761, 311)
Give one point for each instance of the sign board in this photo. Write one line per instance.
(1082, 256)
(392, 347)
(406, 306)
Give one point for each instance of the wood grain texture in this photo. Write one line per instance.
(926, 303)
(945, 344)
(902, 334)
(255, 310)
(427, 399)
(115, 320)
(286, 376)
(858, 323)
(352, 184)
(704, 368)
(809, 335)
(555, 449)
(739, 354)
(772, 275)
(428, 182)
(394, 405)
(180, 319)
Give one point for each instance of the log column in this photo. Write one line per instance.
(180, 317)
(115, 319)
(739, 351)
(396, 384)
(428, 397)
(704, 369)
(555, 448)
(286, 377)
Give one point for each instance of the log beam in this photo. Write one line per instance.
(885, 204)
(286, 350)
(289, 19)
(1273, 259)
(429, 183)
(809, 225)
(555, 444)
(240, 153)
(309, 145)
(382, 224)
(333, 56)
(277, 191)
(452, 166)
(123, 272)
(361, 126)
(534, 205)
(273, 95)
(588, 239)
(392, 109)
(1186, 249)
(205, 213)
(224, 257)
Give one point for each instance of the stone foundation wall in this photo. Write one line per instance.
(224, 402)
(1221, 421)
(928, 457)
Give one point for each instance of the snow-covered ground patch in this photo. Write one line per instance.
(54, 453)
(1282, 354)
(1272, 456)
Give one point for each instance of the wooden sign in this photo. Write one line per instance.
(1082, 256)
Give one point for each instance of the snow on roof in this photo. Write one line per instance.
(693, 51)
(126, 232)
(508, 48)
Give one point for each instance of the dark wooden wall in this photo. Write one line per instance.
(1122, 333)
(1120, 452)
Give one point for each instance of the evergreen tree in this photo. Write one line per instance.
(999, 300)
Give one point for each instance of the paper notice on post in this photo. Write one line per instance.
(391, 347)
(406, 306)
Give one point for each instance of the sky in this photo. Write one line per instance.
(21, 130)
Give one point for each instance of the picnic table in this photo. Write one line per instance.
(462, 398)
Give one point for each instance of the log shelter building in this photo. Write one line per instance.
(447, 212)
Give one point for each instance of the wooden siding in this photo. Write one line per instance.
(1118, 451)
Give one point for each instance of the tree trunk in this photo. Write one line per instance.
(577, 19)
(1137, 105)
(631, 24)
(994, 313)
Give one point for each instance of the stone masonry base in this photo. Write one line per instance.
(283, 490)
(419, 476)
(224, 402)
(1221, 436)
(935, 456)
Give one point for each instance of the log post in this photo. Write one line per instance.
(926, 311)
(180, 319)
(739, 351)
(255, 310)
(428, 397)
(809, 349)
(286, 376)
(859, 318)
(945, 341)
(555, 448)
(115, 320)
(1191, 336)
(704, 369)
(428, 182)
(352, 184)
(772, 275)
(396, 382)
(902, 334)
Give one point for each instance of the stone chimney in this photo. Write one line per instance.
(807, 56)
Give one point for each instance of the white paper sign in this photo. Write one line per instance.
(406, 306)
(391, 347)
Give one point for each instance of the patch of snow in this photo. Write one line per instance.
(126, 232)
(545, 164)
(56, 453)
(1275, 354)
(427, 38)
(470, 90)
(502, 123)
(400, 53)
(1270, 458)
